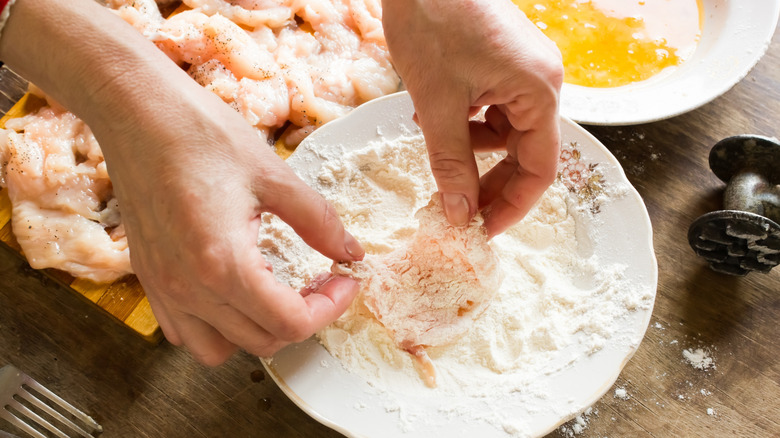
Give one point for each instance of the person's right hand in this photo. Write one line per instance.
(192, 178)
(191, 189)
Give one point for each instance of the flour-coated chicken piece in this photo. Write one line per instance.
(429, 292)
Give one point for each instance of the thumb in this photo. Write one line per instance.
(445, 125)
(308, 213)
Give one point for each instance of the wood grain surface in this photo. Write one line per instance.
(137, 389)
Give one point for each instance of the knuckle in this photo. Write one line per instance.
(272, 186)
(266, 349)
(446, 167)
(549, 173)
(330, 218)
(175, 287)
(557, 75)
(554, 70)
(517, 199)
(211, 268)
(211, 358)
(172, 336)
(293, 329)
(212, 353)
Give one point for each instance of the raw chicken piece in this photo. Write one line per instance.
(309, 73)
(367, 15)
(229, 62)
(144, 15)
(191, 37)
(64, 214)
(251, 13)
(336, 67)
(264, 104)
(430, 292)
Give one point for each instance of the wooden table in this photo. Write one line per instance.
(138, 389)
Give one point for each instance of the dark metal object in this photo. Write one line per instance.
(12, 88)
(745, 236)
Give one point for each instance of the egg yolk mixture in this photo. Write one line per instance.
(609, 43)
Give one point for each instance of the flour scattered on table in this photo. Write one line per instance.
(622, 394)
(578, 425)
(559, 302)
(698, 359)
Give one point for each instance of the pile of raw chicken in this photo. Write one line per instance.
(319, 59)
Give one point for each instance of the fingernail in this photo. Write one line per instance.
(353, 247)
(316, 283)
(456, 208)
(486, 213)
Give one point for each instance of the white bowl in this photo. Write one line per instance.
(735, 35)
(318, 384)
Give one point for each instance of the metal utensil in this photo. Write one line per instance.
(24, 403)
(745, 235)
(12, 88)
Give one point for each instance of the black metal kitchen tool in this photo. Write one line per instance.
(745, 235)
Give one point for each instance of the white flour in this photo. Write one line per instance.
(558, 302)
(698, 358)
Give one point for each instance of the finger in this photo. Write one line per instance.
(490, 135)
(207, 345)
(444, 122)
(162, 315)
(493, 181)
(317, 282)
(536, 168)
(287, 314)
(281, 192)
(331, 300)
(240, 330)
(501, 214)
(161, 312)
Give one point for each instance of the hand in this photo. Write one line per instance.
(192, 178)
(191, 190)
(456, 56)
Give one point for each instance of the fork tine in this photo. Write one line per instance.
(49, 410)
(20, 383)
(24, 410)
(91, 424)
(11, 418)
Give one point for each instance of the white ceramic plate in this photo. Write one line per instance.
(735, 35)
(324, 389)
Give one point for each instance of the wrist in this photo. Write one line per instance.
(90, 61)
